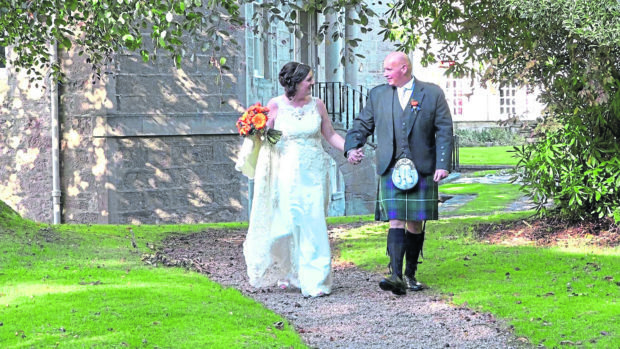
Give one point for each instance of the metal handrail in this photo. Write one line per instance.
(342, 100)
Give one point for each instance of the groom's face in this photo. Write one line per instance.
(395, 71)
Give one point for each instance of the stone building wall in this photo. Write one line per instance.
(360, 181)
(25, 145)
(82, 158)
(176, 179)
(150, 143)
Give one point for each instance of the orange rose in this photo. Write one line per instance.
(259, 120)
(245, 130)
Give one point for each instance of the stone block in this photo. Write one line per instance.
(133, 64)
(82, 217)
(140, 104)
(167, 200)
(219, 174)
(131, 201)
(160, 158)
(139, 217)
(357, 207)
(129, 158)
(136, 179)
(192, 154)
(139, 85)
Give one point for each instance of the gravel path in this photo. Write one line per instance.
(357, 314)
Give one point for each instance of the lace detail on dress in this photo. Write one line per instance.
(287, 237)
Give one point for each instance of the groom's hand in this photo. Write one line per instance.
(440, 174)
(354, 156)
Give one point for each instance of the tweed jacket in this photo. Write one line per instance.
(429, 126)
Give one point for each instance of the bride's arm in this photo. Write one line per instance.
(327, 129)
(273, 112)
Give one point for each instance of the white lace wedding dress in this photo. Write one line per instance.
(287, 238)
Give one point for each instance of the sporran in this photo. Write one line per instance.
(405, 175)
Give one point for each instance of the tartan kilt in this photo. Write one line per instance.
(419, 203)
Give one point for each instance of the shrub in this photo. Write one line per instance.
(495, 135)
(575, 164)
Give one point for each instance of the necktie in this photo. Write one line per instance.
(404, 97)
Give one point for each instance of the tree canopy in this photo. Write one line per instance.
(99, 28)
(568, 48)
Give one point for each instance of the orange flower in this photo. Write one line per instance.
(245, 130)
(259, 120)
(254, 121)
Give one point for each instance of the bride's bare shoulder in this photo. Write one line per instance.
(273, 103)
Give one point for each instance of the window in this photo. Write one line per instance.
(507, 100)
(454, 96)
(260, 66)
(261, 46)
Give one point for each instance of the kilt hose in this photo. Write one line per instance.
(419, 203)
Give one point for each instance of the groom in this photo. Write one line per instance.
(412, 120)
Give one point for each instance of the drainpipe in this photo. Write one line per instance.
(248, 83)
(55, 139)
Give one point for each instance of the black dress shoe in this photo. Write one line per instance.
(395, 284)
(413, 284)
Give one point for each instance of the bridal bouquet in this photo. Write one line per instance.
(254, 121)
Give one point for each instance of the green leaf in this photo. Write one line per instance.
(222, 60)
(73, 4)
(66, 43)
(364, 20)
(145, 55)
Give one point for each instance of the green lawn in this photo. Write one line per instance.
(550, 295)
(85, 286)
(489, 198)
(487, 156)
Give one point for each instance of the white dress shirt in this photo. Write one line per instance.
(404, 93)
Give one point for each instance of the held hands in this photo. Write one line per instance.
(440, 174)
(355, 156)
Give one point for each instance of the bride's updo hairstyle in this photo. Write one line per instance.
(291, 74)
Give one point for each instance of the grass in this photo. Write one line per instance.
(553, 296)
(489, 198)
(487, 156)
(85, 286)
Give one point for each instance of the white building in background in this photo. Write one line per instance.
(475, 106)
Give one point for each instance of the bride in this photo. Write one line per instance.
(287, 242)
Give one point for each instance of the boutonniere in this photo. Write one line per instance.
(415, 105)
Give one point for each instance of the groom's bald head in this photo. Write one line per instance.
(397, 68)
